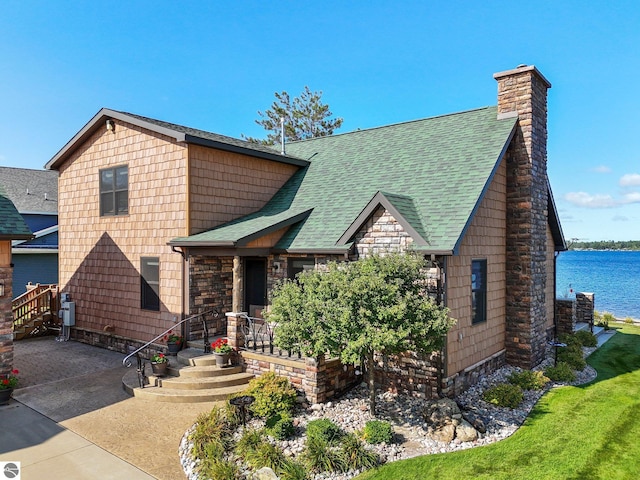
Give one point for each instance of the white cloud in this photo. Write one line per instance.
(586, 200)
(632, 197)
(630, 180)
(601, 169)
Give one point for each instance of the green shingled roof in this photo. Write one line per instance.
(12, 226)
(434, 172)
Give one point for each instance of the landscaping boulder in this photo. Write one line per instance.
(445, 421)
(265, 473)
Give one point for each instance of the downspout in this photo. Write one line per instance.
(556, 254)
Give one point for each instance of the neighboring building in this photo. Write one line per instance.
(35, 194)
(159, 221)
(12, 227)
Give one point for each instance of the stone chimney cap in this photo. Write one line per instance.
(521, 69)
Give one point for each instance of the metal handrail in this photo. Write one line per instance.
(258, 330)
(127, 363)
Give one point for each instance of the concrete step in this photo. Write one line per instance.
(190, 383)
(174, 395)
(203, 371)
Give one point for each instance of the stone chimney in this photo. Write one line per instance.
(523, 92)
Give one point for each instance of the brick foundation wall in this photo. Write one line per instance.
(524, 91)
(461, 381)
(409, 374)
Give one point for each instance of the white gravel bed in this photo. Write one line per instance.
(351, 412)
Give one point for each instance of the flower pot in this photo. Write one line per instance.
(5, 395)
(174, 348)
(222, 359)
(159, 369)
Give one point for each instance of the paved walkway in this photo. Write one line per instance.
(70, 418)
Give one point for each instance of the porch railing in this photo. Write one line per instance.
(259, 335)
(36, 302)
(126, 361)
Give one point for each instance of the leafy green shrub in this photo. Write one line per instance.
(280, 426)
(586, 338)
(504, 395)
(560, 373)
(604, 320)
(292, 470)
(273, 395)
(325, 430)
(628, 320)
(528, 380)
(376, 431)
(318, 456)
(570, 340)
(354, 454)
(573, 356)
(265, 455)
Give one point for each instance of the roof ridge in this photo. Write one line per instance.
(406, 122)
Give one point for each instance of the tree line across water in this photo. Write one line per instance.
(605, 245)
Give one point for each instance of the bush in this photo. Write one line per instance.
(504, 395)
(528, 380)
(320, 457)
(249, 442)
(212, 434)
(628, 320)
(573, 356)
(586, 338)
(292, 470)
(280, 426)
(265, 455)
(354, 454)
(219, 469)
(325, 430)
(273, 395)
(376, 431)
(560, 373)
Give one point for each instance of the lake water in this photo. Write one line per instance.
(614, 277)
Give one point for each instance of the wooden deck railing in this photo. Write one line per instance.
(36, 302)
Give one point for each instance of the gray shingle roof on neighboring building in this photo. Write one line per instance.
(31, 191)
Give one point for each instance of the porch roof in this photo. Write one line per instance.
(437, 171)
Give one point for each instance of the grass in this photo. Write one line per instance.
(578, 433)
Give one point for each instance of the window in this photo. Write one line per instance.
(478, 291)
(114, 191)
(297, 265)
(150, 283)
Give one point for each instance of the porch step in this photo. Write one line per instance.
(199, 382)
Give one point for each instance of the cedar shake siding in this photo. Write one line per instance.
(468, 344)
(225, 185)
(100, 255)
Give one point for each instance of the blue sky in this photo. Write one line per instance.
(213, 65)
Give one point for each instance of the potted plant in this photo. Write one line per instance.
(7, 384)
(159, 364)
(222, 351)
(174, 342)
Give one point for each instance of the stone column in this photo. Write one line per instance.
(6, 317)
(523, 92)
(314, 381)
(565, 315)
(585, 304)
(235, 329)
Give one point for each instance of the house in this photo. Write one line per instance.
(159, 221)
(12, 227)
(35, 194)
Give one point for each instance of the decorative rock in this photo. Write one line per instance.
(465, 432)
(316, 407)
(265, 473)
(444, 434)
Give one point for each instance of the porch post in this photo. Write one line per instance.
(238, 287)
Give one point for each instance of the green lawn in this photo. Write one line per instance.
(586, 432)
